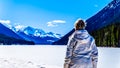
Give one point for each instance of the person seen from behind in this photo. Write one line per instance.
(81, 48)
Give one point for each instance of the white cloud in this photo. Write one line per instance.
(51, 24)
(55, 23)
(5, 21)
(59, 21)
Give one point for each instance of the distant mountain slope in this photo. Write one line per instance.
(6, 31)
(108, 15)
(37, 39)
(38, 36)
(8, 37)
(6, 40)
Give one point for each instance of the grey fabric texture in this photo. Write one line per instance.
(81, 51)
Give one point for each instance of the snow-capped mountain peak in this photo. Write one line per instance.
(29, 30)
(39, 32)
(38, 36)
(33, 31)
(53, 35)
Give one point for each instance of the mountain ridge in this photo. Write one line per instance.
(8, 37)
(36, 35)
(106, 16)
(6, 31)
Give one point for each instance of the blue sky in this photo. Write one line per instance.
(50, 15)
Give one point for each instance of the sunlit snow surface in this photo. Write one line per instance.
(50, 57)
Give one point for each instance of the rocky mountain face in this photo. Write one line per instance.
(38, 36)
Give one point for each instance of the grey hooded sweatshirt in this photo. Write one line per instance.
(81, 51)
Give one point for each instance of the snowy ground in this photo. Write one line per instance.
(50, 57)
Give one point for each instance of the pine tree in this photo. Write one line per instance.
(108, 36)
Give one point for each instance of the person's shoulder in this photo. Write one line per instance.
(92, 38)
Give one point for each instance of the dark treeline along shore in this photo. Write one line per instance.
(109, 36)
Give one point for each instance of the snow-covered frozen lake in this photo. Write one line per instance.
(50, 57)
